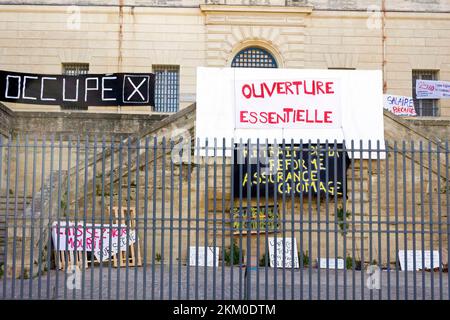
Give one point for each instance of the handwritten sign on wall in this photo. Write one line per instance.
(282, 255)
(103, 240)
(407, 258)
(259, 221)
(399, 105)
(290, 170)
(212, 256)
(430, 89)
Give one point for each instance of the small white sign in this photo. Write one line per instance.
(289, 250)
(411, 254)
(331, 263)
(431, 89)
(211, 259)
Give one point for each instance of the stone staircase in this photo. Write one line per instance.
(10, 206)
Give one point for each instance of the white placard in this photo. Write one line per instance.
(430, 89)
(211, 259)
(86, 238)
(331, 263)
(410, 254)
(399, 105)
(354, 100)
(289, 250)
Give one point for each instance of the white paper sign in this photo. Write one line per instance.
(430, 89)
(331, 263)
(289, 250)
(410, 254)
(340, 104)
(86, 238)
(211, 259)
(399, 105)
(288, 103)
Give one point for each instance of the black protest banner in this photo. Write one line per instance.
(116, 89)
(295, 169)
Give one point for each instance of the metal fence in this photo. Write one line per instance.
(150, 218)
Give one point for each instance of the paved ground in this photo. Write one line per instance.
(228, 283)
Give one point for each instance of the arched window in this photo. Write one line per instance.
(254, 57)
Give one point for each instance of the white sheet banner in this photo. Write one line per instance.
(430, 89)
(399, 105)
(105, 238)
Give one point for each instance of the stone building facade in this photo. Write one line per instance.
(404, 38)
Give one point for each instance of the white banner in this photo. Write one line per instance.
(84, 237)
(277, 104)
(430, 89)
(399, 105)
(288, 103)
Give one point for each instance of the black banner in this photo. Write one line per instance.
(116, 89)
(298, 169)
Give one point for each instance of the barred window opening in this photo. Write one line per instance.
(167, 87)
(424, 107)
(254, 58)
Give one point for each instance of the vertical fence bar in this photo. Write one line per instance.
(388, 226)
(370, 211)
(146, 195)
(413, 213)
(303, 257)
(41, 219)
(163, 215)
(223, 213)
(380, 259)
(8, 177)
(353, 221)
(110, 214)
(188, 240)
(327, 225)
(214, 218)
(137, 219)
(293, 190)
(447, 192)
(16, 190)
(155, 177)
(439, 191)
(317, 167)
(180, 212)
(24, 220)
(397, 284)
(430, 191)
(102, 219)
(197, 215)
(422, 217)
(119, 218)
(405, 221)
(58, 220)
(344, 210)
(206, 221)
(361, 203)
(50, 216)
(128, 216)
(32, 226)
(171, 219)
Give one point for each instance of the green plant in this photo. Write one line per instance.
(2, 266)
(262, 261)
(232, 254)
(349, 264)
(158, 257)
(304, 257)
(342, 218)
